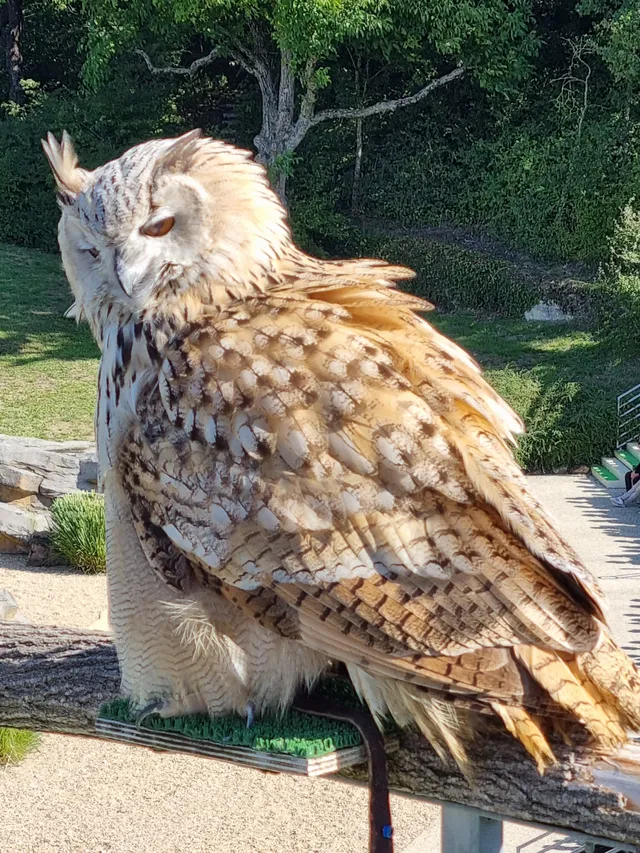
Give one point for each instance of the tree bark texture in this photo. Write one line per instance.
(12, 19)
(55, 679)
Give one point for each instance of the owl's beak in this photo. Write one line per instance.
(130, 276)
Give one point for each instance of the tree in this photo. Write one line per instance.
(11, 23)
(288, 47)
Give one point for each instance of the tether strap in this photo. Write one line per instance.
(380, 826)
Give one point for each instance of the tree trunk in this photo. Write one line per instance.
(55, 679)
(13, 20)
(277, 122)
(357, 170)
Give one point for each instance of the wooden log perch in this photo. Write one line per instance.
(55, 679)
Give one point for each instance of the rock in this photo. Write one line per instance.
(19, 479)
(547, 312)
(580, 469)
(17, 526)
(40, 553)
(8, 606)
(33, 473)
(47, 469)
(562, 470)
(9, 611)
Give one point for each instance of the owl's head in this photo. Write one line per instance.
(165, 216)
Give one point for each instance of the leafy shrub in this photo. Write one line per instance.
(449, 276)
(78, 531)
(567, 423)
(15, 744)
(617, 291)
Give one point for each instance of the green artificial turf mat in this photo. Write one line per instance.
(294, 733)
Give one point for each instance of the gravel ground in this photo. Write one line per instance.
(76, 795)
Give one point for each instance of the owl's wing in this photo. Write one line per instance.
(342, 472)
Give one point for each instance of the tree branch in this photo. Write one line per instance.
(55, 679)
(387, 106)
(188, 70)
(307, 120)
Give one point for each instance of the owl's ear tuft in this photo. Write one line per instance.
(70, 178)
(179, 156)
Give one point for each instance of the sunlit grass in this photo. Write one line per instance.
(15, 744)
(48, 365)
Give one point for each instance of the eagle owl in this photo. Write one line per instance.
(299, 469)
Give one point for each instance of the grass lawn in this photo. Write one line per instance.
(48, 365)
(563, 381)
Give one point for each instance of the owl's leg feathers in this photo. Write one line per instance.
(161, 667)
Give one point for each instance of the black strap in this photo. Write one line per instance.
(380, 826)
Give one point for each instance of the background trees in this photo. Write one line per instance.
(507, 173)
(289, 48)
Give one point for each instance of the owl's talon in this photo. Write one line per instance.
(152, 708)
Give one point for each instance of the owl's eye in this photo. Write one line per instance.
(93, 252)
(159, 228)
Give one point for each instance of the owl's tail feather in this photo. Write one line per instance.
(598, 691)
(616, 676)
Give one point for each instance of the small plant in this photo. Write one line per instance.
(15, 744)
(78, 531)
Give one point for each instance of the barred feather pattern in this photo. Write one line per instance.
(306, 462)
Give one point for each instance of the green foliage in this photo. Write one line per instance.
(528, 185)
(78, 531)
(28, 210)
(449, 276)
(493, 37)
(16, 744)
(625, 242)
(617, 293)
(563, 382)
(617, 39)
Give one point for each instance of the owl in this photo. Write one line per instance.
(299, 470)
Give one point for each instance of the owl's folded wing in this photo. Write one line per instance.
(351, 485)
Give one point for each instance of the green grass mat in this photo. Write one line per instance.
(293, 733)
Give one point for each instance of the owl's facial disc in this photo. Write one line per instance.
(143, 240)
(163, 218)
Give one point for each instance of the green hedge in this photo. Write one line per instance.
(449, 276)
(102, 125)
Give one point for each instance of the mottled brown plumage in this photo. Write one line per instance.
(314, 473)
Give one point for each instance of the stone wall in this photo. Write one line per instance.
(33, 472)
